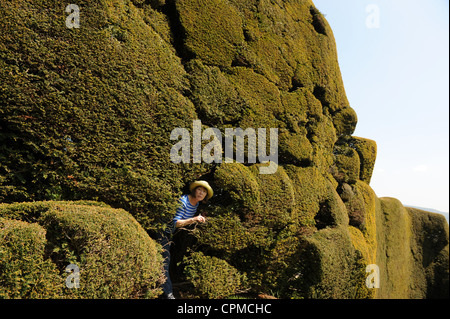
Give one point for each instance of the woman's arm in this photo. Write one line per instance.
(186, 222)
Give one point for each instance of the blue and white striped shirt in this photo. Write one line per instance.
(185, 211)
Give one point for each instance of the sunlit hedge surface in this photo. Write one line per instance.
(86, 114)
(114, 255)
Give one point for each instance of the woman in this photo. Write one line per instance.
(184, 216)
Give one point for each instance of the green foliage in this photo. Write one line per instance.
(216, 100)
(413, 248)
(24, 272)
(115, 256)
(214, 40)
(224, 233)
(339, 271)
(430, 248)
(394, 251)
(367, 151)
(347, 165)
(263, 228)
(372, 212)
(213, 277)
(86, 114)
(356, 207)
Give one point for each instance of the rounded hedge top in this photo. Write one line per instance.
(113, 254)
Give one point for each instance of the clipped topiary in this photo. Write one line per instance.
(24, 270)
(213, 277)
(87, 113)
(113, 254)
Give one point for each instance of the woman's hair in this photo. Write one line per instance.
(193, 194)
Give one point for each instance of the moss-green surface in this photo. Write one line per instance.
(86, 114)
(115, 256)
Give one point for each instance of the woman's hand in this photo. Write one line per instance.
(199, 219)
(186, 222)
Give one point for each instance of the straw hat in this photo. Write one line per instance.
(202, 184)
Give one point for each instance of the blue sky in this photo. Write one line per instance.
(394, 59)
